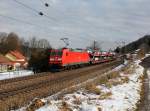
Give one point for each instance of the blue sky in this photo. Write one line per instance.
(82, 21)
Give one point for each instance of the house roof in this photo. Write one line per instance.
(17, 54)
(11, 57)
(16, 57)
(4, 60)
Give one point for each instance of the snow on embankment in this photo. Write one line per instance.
(14, 74)
(123, 96)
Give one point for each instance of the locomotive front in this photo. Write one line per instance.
(55, 59)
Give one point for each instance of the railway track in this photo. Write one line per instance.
(49, 83)
(33, 77)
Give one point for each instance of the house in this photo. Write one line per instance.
(18, 60)
(5, 64)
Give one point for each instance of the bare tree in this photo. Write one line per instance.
(33, 42)
(3, 36)
(43, 43)
(13, 41)
(9, 42)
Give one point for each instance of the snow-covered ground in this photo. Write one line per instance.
(14, 74)
(119, 97)
(121, 66)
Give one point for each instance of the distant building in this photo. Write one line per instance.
(5, 64)
(18, 60)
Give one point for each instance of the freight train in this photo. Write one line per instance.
(68, 58)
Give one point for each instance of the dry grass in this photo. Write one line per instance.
(105, 95)
(129, 69)
(141, 54)
(125, 80)
(115, 82)
(93, 89)
(77, 101)
(103, 80)
(126, 68)
(113, 75)
(37, 103)
(65, 107)
(99, 109)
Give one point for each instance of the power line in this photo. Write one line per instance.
(18, 20)
(45, 3)
(28, 23)
(39, 12)
(24, 22)
(26, 6)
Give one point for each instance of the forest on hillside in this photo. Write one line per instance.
(143, 42)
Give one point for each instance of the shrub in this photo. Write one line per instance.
(103, 80)
(105, 95)
(125, 80)
(37, 103)
(113, 75)
(65, 107)
(77, 101)
(92, 89)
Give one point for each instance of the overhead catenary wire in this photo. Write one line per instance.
(45, 3)
(41, 13)
(26, 6)
(18, 20)
(29, 23)
(37, 11)
(24, 22)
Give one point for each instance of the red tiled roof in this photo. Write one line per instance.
(17, 54)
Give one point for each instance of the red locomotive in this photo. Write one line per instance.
(68, 58)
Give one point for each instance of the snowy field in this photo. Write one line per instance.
(120, 97)
(14, 74)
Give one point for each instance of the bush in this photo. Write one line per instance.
(37, 103)
(113, 75)
(65, 107)
(92, 89)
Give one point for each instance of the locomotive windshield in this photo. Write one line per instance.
(56, 53)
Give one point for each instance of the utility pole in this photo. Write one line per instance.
(94, 44)
(66, 41)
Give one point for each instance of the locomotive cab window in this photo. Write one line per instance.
(59, 53)
(56, 53)
(53, 53)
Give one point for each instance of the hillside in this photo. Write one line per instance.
(143, 42)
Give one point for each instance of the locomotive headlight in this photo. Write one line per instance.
(51, 59)
(59, 59)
